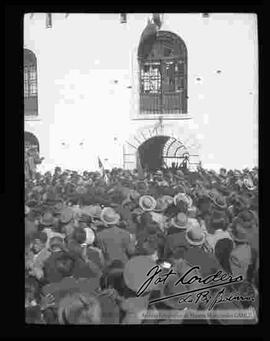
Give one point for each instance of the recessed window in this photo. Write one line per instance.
(163, 74)
(30, 84)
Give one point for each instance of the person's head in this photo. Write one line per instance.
(56, 244)
(65, 264)
(79, 308)
(223, 249)
(67, 229)
(79, 235)
(39, 241)
(31, 289)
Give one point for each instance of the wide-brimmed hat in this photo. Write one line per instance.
(192, 210)
(147, 203)
(249, 184)
(194, 234)
(180, 221)
(90, 236)
(135, 272)
(66, 215)
(109, 217)
(56, 240)
(220, 202)
(93, 211)
(47, 219)
(161, 205)
(183, 197)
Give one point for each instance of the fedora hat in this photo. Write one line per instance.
(109, 217)
(183, 197)
(66, 215)
(194, 234)
(161, 205)
(136, 270)
(147, 202)
(47, 219)
(180, 221)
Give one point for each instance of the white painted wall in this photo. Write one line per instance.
(80, 57)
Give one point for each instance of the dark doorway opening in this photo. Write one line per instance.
(151, 152)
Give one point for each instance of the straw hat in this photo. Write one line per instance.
(90, 236)
(194, 234)
(249, 184)
(136, 270)
(183, 197)
(180, 221)
(147, 203)
(109, 216)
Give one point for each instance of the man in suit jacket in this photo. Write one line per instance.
(115, 243)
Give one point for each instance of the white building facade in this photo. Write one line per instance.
(89, 90)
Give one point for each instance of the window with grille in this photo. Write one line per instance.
(163, 75)
(30, 83)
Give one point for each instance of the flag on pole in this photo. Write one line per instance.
(100, 165)
(139, 168)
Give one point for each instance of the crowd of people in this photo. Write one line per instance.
(90, 237)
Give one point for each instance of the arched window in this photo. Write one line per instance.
(30, 83)
(163, 74)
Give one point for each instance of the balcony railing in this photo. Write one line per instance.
(167, 103)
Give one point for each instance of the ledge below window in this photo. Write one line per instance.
(165, 117)
(32, 118)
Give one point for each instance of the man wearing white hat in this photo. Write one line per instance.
(115, 243)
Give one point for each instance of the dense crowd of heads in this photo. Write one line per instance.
(89, 237)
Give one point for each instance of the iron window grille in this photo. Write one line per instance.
(163, 76)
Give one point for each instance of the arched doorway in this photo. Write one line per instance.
(30, 140)
(161, 151)
(150, 152)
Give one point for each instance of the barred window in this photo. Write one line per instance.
(30, 83)
(163, 74)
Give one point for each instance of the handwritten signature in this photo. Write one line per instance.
(219, 279)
